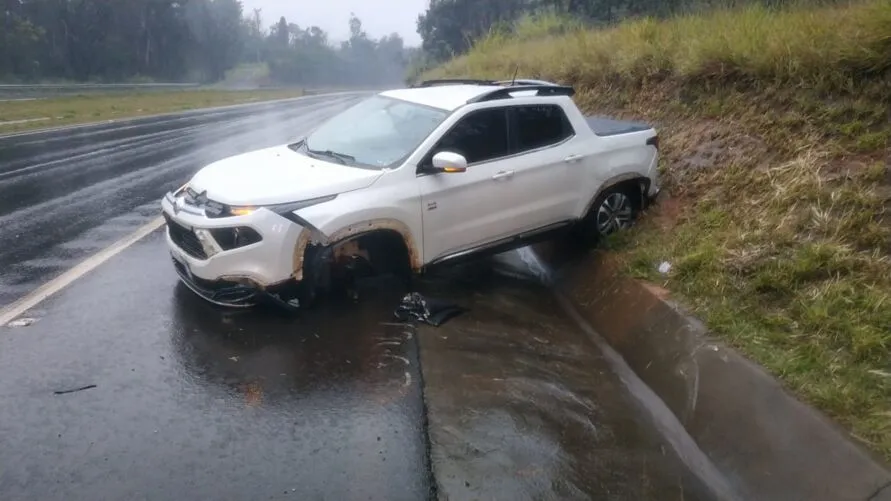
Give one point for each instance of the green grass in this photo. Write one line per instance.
(775, 134)
(824, 47)
(69, 110)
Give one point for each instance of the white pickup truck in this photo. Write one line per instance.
(404, 180)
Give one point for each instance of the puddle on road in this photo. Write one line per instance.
(524, 406)
(268, 355)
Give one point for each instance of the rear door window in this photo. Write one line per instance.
(538, 126)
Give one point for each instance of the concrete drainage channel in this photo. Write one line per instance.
(732, 424)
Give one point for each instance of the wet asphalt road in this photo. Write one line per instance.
(194, 403)
(66, 194)
(508, 401)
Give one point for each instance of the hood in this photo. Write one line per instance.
(277, 175)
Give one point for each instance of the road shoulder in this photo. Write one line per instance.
(773, 446)
(522, 406)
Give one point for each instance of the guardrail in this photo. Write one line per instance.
(35, 91)
(92, 86)
(20, 91)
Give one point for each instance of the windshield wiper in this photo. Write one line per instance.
(343, 158)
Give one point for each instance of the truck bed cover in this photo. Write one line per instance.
(605, 126)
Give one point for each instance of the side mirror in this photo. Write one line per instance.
(446, 161)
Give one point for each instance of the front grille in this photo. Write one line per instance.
(185, 239)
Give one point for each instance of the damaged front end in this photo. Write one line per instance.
(335, 263)
(220, 292)
(240, 269)
(334, 268)
(232, 256)
(240, 292)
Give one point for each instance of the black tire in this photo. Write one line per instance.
(390, 257)
(306, 295)
(615, 209)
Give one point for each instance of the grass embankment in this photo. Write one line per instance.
(16, 116)
(775, 132)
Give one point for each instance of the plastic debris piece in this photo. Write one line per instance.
(22, 322)
(82, 388)
(665, 267)
(434, 312)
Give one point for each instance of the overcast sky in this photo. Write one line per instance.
(379, 17)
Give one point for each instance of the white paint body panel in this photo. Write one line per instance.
(266, 263)
(445, 213)
(277, 175)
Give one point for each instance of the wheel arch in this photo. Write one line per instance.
(631, 179)
(313, 238)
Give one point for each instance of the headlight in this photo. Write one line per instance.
(216, 210)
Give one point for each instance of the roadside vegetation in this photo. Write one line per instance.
(17, 116)
(103, 41)
(775, 134)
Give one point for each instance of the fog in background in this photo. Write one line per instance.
(208, 41)
(379, 17)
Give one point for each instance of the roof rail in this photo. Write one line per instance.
(454, 81)
(524, 82)
(505, 92)
(471, 81)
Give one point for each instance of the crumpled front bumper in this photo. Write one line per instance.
(219, 292)
(238, 276)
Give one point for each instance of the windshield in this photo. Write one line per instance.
(378, 132)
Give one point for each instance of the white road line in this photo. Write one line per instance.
(11, 312)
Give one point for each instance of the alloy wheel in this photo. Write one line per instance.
(615, 213)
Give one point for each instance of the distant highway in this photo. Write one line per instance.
(14, 92)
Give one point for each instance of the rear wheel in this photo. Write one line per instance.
(613, 210)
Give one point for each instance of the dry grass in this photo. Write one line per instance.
(775, 131)
(822, 47)
(68, 110)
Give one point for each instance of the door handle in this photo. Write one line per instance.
(503, 174)
(572, 158)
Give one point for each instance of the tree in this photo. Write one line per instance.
(19, 44)
(218, 35)
(281, 34)
(448, 27)
(113, 40)
(310, 60)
